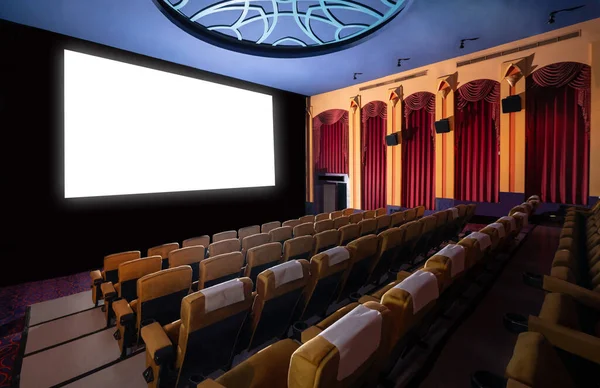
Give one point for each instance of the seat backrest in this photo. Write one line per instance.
(369, 214)
(220, 268)
(131, 271)
(163, 251)
(517, 209)
(326, 240)
(380, 212)
(389, 242)
(450, 260)
(510, 225)
(321, 217)
(298, 248)
(473, 253)
(336, 214)
(367, 226)
(496, 232)
(462, 210)
(291, 223)
(413, 230)
(321, 226)
(248, 231)
(211, 320)
(471, 208)
(201, 240)
(348, 233)
(269, 226)
(383, 222)
(327, 270)
(420, 211)
(560, 309)
(410, 214)
(356, 217)
(281, 234)
(307, 229)
(307, 218)
(341, 221)
(160, 294)
(349, 353)
(397, 219)
(347, 212)
(254, 241)
(112, 262)
(227, 235)
(429, 224)
(261, 258)
(191, 256)
(441, 218)
(364, 254)
(485, 241)
(224, 246)
(278, 290)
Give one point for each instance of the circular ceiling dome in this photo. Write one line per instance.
(281, 28)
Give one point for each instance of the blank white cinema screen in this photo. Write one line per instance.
(132, 130)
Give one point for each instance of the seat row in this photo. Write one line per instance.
(360, 342)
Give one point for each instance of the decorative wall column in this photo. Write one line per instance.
(512, 128)
(354, 151)
(444, 143)
(394, 154)
(595, 121)
(310, 161)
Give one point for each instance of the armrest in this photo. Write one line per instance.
(96, 277)
(310, 333)
(172, 330)
(209, 383)
(123, 311)
(572, 341)
(158, 344)
(582, 295)
(108, 290)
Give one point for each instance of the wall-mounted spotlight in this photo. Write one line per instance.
(462, 42)
(553, 13)
(355, 74)
(402, 59)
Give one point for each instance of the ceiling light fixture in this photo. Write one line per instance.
(553, 13)
(355, 74)
(402, 59)
(462, 42)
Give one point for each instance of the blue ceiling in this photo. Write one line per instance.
(426, 31)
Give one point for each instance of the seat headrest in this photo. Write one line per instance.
(422, 287)
(522, 215)
(337, 255)
(456, 254)
(485, 240)
(287, 272)
(454, 212)
(164, 282)
(163, 250)
(356, 336)
(499, 227)
(263, 254)
(511, 219)
(223, 295)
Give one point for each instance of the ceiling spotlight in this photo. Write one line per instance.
(355, 74)
(462, 42)
(402, 59)
(553, 13)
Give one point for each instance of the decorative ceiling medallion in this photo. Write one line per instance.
(281, 28)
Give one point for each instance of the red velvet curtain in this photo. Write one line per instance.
(418, 151)
(476, 137)
(557, 137)
(373, 130)
(330, 137)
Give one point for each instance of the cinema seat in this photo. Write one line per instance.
(453, 225)
(397, 219)
(163, 251)
(347, 212)
(410, 214)
(336, 214)
(158, 300)
(278, 290)
(224, 246)
(321, 217)
(380, 212)
(383, 222)
(441, 227)
(224, 236)
(248, 231)
(341, 221)
(451, 260)
(321, 226)
(425, 238)
(269, 226)
(390, 242)
(356, 217)
(307, 218)
(191, 256)
(502, 234)
(412, 233)
(484, 240)
(326, 240)
(262, 258)
(522, 219)
(298, 248)
(201, 240)
(368, 214)
(474, 252)
(348, 233)
(510, 226)
(110, 272)
(494, 235)
(281, 234)
(327, 270)
(307, 229)
(220, 268)
(367, 226)
(364, 254)
(517, 209)
(254, 241)
(471, 208)
(291, 223)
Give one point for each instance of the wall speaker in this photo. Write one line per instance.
(442, 126)
(511, 104)
(392, 140)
